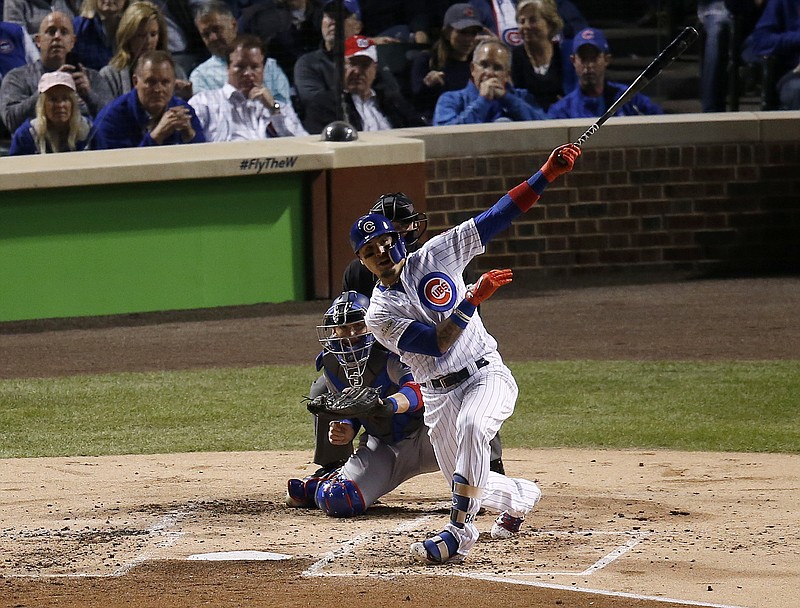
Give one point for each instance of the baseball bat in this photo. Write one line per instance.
(665, 57)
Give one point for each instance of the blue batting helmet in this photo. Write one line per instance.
(371, 226)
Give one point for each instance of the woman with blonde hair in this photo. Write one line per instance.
(142, 28)
(58, 125)
(539, 64)
(96, 31)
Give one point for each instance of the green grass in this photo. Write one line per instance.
(725, 406)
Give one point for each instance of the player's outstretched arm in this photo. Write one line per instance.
(436, 340)
(521, 198)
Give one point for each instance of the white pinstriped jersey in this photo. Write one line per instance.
(430, 286)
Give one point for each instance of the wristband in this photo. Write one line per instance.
(393, 401)
(463, 313)
(412, 393)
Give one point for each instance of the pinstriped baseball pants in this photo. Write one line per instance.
(461, 422)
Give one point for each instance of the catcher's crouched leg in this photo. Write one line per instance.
(300, 493)
(339, 497)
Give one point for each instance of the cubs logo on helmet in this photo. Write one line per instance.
(437, 291)
(371, 226)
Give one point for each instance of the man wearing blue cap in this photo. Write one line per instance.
(594, 94)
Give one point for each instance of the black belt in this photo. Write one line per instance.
(454, 378)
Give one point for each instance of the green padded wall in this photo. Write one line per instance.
(152, 246)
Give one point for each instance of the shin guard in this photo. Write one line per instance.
(462, 494)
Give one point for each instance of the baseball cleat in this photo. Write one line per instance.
(439, 549)
(506, 526)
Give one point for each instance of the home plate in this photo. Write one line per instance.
(221, 556)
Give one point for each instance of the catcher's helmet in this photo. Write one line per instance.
(400, 210)
(373, 225)
(344, 334)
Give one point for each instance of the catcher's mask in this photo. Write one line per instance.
(411, 224)
(344, 334)
(371, 226)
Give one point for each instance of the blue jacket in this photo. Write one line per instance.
(12, 47)
(123, 124)
(92, 48)
(578, 105)
(23, 141)
(777, 33)
(467, 107)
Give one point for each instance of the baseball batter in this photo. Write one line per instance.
(423, 311)
(392, 448)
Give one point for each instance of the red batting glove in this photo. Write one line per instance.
(487, 285)
(561, 161)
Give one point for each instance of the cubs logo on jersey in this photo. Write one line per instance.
(511, 37)
(437, 291)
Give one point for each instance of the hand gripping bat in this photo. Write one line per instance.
(668, 55)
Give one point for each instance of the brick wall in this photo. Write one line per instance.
(718, 208)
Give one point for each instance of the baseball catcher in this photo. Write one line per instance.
(369, 390)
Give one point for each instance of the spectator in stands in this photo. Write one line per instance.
(489, 95)
(407, 21)
(29, 13)
(538, 64)
(217, 28)
(58, 125)
(16, 47)
(315, 72)
(141, 29)
(500, 17)
(726, 24)
(19, 90)
(777, 33)
(370, 106)
(244, 108)
(150, 114)
(183, 39)
(717, 21)
(289, 28)
(446, 66)
(594, 94)
(96, 31)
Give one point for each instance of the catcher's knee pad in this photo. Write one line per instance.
(339, 497)
(462, 493)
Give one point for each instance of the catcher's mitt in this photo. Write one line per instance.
(356, 403)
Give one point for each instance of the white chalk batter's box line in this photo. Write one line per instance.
(636, 536)
(162, 529)
(160, 532)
